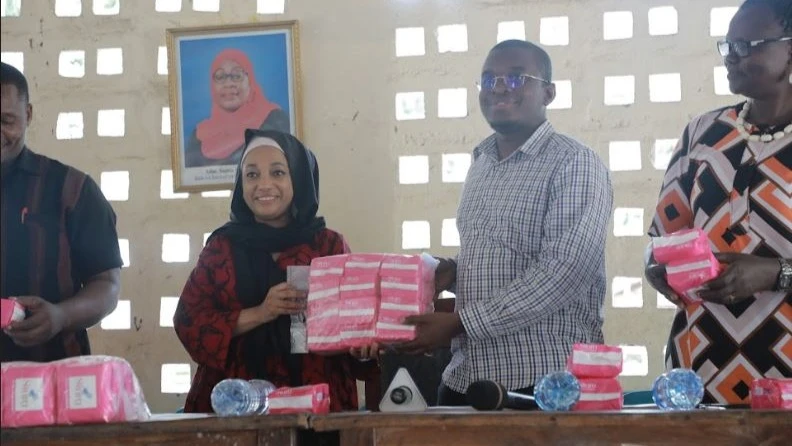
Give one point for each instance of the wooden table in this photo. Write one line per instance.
(626, 428)
(169, 430)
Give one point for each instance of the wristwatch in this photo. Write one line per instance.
(785, 276)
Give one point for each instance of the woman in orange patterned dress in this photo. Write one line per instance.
(731, 176)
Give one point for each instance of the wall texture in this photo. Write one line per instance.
(352, 72)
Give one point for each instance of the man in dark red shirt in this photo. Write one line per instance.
(60, 255)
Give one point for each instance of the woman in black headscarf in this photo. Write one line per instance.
(235, 312)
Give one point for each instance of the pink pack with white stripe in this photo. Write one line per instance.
(328, 266)
(680, 246)
(357, 310)
(10, 311)
(363, 264)
(595, 361)
(771, 393)
(28, 394)
(321, 321)
(687, 277)
(98, 389)
(419, 268)
(406, 289)
(313, 399)
(599, 394)
(400, 297)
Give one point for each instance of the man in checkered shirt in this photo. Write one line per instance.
(530, 274)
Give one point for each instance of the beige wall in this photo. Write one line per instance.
(350, 76)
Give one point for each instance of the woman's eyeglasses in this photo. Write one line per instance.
(511, 81)
(234, 76)
(743, 48)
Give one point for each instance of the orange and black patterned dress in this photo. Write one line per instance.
(740, 194)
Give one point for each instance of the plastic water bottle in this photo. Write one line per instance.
(235, 397)
(557, 391)
(678, 389)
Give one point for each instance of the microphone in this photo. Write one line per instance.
(490, 395)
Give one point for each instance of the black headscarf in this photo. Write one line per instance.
(253, 243)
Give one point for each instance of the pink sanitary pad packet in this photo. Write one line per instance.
(328, 266)
(406, 289)
(771, 393)
(313, 399)
(421, 268)
(98, 389)
(357, 311)
(363, 264)
(10, 311)
(687, 277)
(28, 394)
(599, 394)
(321, 318)
(595, 361)
(680, 246)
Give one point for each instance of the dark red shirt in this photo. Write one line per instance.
(208, 311)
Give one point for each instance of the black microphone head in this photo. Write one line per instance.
(486, 395)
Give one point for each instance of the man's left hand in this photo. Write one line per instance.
(745, 275)
(45, 320)
(433, 331)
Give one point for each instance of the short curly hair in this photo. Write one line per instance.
(781, 8)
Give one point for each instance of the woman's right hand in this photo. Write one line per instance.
(282, 299)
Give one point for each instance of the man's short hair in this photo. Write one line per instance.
(542, 58)
(9, 75)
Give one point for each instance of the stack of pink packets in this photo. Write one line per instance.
(357, 299)
(79, 390)
(771, 393)
(596, 367)
(689, 262)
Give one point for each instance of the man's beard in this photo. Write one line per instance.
(506, 128)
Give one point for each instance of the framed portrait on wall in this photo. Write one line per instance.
(221, 81)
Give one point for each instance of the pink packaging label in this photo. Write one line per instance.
(10, 311)
(359, 297)
(328, 265)
(771, 393)
(686, 278)
(419, 268)
(599, 394)
(313, 399)
(98, 389)
(400, 297)
(324, 288)
(363, 264)
(28, 394)
(680, 245)
(595, 361)
(321, 322)
(390, 325)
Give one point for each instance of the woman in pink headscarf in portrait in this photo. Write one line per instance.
(238, 103)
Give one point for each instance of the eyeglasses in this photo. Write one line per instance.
(743, 48)
(511, 81)
(234, 76)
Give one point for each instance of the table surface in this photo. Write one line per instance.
(167, 429)
(436, 426)
(466, 427)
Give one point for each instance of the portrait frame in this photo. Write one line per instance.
(221, 80)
